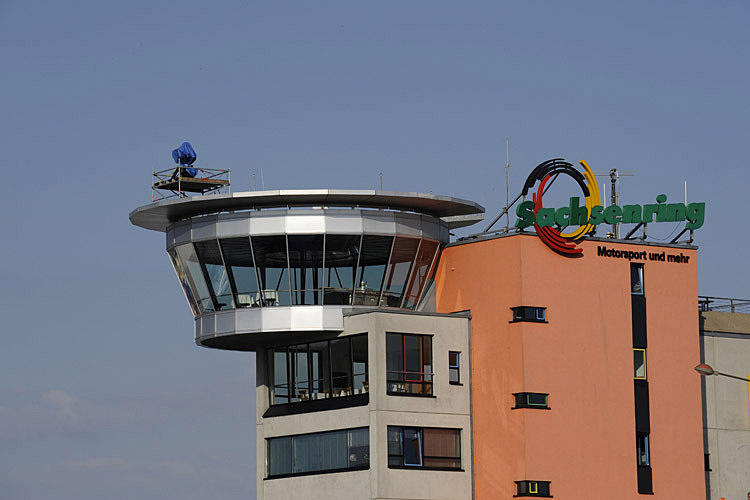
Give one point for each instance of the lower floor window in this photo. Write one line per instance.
(424, 447)
(319, 452)
(532, 489)
(641, 445)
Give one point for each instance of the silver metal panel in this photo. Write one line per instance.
(182, 232)
(306, 223)
(249, 320)
(268, 223)
(232, 226)
(379, 223)
(204, 228)
(160, 215)
(343, 222)
(207, 324)
(408, 225)
(225, 322)
(431, 230)
(307, 318)
(170, 237)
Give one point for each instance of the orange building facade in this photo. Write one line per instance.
(593, 394)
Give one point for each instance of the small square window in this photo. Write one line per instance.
(454, 367)
(528, 313)
(639, 364)
(531, 400)
(532, 489)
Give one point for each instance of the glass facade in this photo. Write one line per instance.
(319, 452)
(284, 270)
(319, 370)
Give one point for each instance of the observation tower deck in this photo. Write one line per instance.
(254, 265)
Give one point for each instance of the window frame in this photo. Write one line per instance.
(311, 379)
(521, 400)
(639, 449)
(422, 456)
(291, 438)
(528, 314)
(645, 364)
(454, 368)
(524, 488)
(638, 268)
(422, 383)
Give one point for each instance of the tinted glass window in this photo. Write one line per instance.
(272, 267)
(192, 268)
(239, 261)
(397, 272)
(372, 262)
(213, 265)
(341, 258)
(425, 257)
(306, 266)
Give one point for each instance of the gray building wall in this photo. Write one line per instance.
(725, 345)
(449, 408)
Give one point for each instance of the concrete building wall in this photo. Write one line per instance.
(583, 357)
(449, 408)
(726, 347)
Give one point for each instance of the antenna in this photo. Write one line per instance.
(381, 181)
(254, 182)
(614, 175)
(262, 181)
(507, 197)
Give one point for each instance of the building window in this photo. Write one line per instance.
(639, 364)
(409, 364)
(425, 448)
(527, 313)
(334, 451)
(319, 370)
(642, 448)
(454, 367)
(532, 489)
(531, 400)
(636, 279)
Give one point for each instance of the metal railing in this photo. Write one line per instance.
(724, 304)
(175, 183)
(419, 383)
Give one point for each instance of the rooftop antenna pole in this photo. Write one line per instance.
(507, 197)
(613, 177)
(381, 181)
(262, 181)
(685, 193)
(254, 182)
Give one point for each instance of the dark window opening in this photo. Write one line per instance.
(319, 370)
(321, 452)
(454, 367)
(707, 462)
(639, 364)
(532, 489)
(531, 400)
(426, 448)
(528, 313)
(409, 364)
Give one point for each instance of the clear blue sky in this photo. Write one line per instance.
(103, 393)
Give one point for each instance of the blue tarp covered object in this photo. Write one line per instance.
(185, 155)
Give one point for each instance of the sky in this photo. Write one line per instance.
(103, 392)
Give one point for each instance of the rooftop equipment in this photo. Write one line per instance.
(186, 178)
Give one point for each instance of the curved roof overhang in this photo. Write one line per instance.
(160, 215)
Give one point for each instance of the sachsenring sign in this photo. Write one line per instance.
(550, 223)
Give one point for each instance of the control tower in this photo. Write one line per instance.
(333, 290)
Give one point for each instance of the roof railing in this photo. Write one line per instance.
(726, 304)
(177, 182)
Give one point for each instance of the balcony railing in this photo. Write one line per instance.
(413, 383)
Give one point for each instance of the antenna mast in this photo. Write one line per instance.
(507, 197)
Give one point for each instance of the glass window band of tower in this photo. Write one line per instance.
(322, 269)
